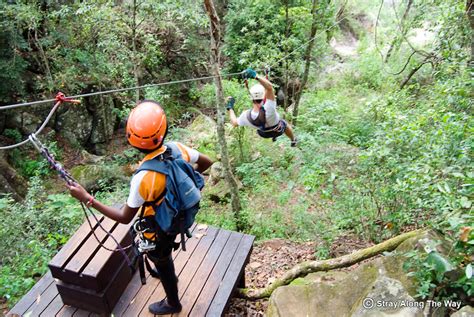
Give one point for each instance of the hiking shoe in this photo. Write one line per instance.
(294, 142)
(163, 308)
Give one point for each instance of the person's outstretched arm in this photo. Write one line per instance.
(203, 163)
(124, 215)
(269, 93)
(230, 108)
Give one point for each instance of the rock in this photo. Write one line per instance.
(387, 297)
(88, 158)
(323, 299)
(466, 311)
(254, 265)
(75, 124)
(89, 124)
(10, 181)
(103, 122)
(217, 173)
(338, 293)
(220, 192)
(89, 175)
(3, 120)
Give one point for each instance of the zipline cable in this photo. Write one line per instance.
(60, 98)
(104, 92)
(307, 42)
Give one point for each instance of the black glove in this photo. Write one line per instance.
(230, 103)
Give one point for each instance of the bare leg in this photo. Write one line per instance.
(289, 132)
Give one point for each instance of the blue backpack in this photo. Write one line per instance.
(176, 213)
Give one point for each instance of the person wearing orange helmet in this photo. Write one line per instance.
(263, 116)
(146, 130)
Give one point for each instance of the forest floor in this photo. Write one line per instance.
(272, 258)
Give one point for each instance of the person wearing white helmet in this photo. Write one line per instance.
(263, 116)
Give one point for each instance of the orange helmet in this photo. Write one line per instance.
(146, 125)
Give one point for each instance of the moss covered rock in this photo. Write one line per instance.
(337, 293)
(98, 176)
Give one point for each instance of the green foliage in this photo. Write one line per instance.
(13, 134)
(446, 276)
(31, 234)
(34, 164)
(34, 230)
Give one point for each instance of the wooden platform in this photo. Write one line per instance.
(208, 271)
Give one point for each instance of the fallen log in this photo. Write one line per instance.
(347, 260)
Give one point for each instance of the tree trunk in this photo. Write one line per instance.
(134, 49)
(403, 30)
(470, 15)
(45, 61)
(287, 34)
(305, 268)
(215, 62)
(307, 58)
(413, 71)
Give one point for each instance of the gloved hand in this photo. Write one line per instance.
(230, 103)
(249, 73)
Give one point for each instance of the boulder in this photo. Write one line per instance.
(324, 299)
(381, 282)
(10, 181)
(95, 177)
(75, 124)
(387, 297)
(466, 311)
(103, 122)
(218, 190)
(216, 173)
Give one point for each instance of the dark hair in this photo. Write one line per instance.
(257, 100)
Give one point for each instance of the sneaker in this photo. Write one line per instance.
(163, 308)
(294, 142)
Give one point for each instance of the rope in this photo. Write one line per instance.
(111, 91)
(60, 98)
(70, 181)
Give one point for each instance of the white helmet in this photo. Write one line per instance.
(257, 92)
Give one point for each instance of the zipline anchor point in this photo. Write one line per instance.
(61, 97)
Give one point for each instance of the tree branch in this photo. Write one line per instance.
(305, 268)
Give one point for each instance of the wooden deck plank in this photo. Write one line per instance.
(215, 278)
(68, 250)
(233, 273)
(66, 311)
(29, 299)
(83, 256)
(95, 266)
(43, 301)
(146, 291)
(208, 273)
(81, 313)
(135, 285)
(185, 269)
(191, 293)
(53, 308)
